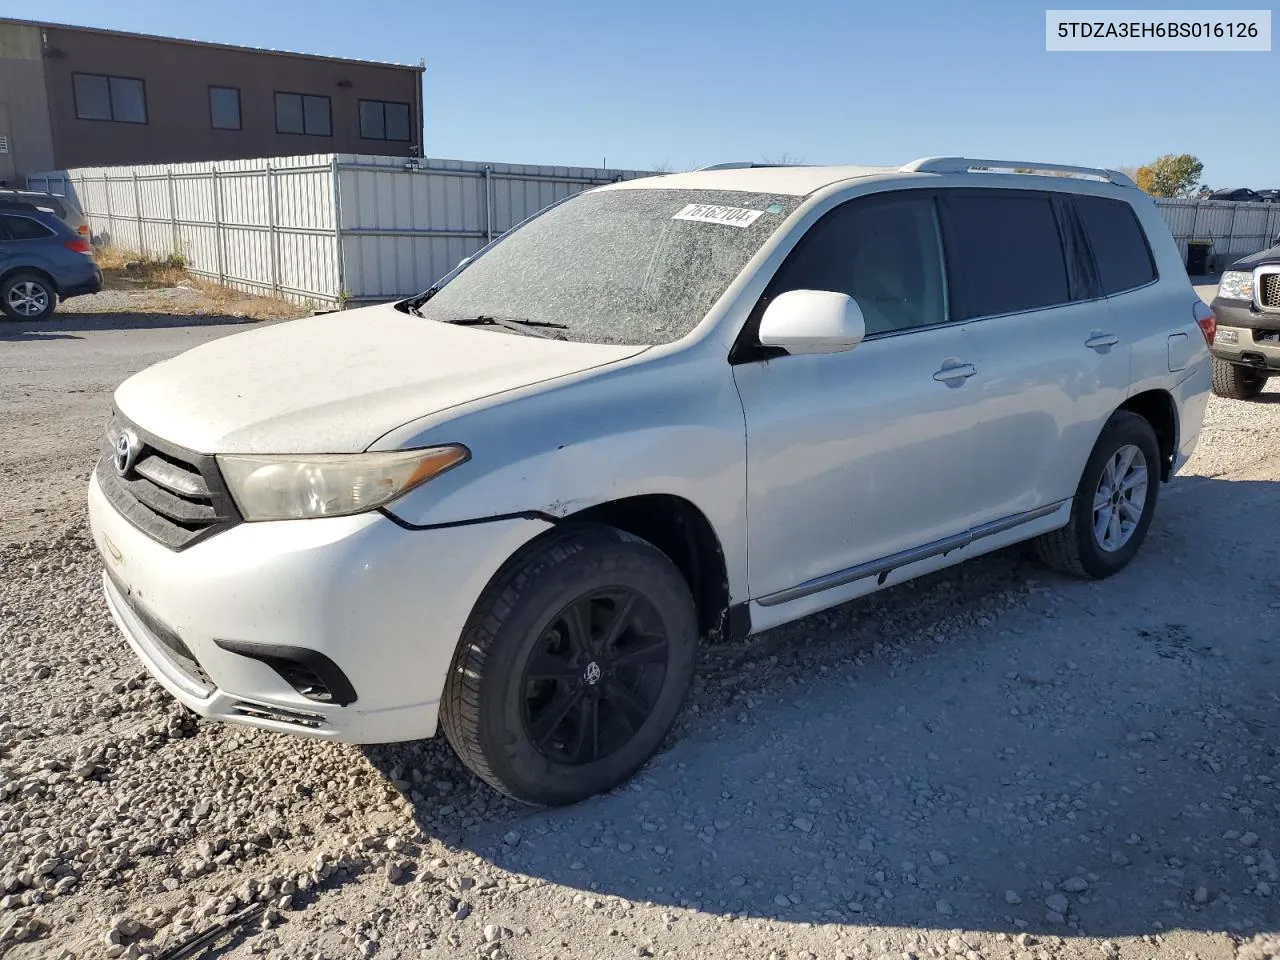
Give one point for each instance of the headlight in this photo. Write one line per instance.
(330, 485)
(1236, 285)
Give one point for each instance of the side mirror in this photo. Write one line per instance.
(812, 321)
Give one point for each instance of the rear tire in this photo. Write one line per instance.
(1092, 544)
(572, 667)
(27, 297)
(1236, 382)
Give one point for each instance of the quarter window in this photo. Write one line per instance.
(224, 108)
(885, 254)
(23, 228)
(1005, 253)
(100, 97)
(303, 113)
(380, 120)
(1119, 245)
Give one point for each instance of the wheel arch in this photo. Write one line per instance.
(682, 531)
(13, 271)
(1158, 408)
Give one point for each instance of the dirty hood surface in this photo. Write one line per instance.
(337, 382)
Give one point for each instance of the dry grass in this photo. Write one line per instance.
(126, 270)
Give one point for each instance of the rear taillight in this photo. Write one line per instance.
(79, 245)
(1206, 321)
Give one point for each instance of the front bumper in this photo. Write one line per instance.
(1248, 346)
(384, 604)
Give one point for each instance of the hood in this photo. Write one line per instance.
(1271, 255)
(335, 383)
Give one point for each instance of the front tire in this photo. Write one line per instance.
(572, 667)
(1235, 382)
(27, 296)
(1113, 505)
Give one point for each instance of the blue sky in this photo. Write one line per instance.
(689, 83)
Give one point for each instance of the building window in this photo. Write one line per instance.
(224, 108)
(98, 97)
(303, 113)
(380, 120)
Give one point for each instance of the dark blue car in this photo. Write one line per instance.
(42, 261)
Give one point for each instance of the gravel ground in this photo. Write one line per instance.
(992, 762)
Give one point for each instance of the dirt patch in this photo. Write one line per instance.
(165, 286)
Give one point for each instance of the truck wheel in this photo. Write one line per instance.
(1236, 382)
(1113, 505)
(572, 667)
(27, 296)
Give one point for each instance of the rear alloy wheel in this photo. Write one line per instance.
(1114, 502)
(1236, 382)
(572, 667)
(27, 296)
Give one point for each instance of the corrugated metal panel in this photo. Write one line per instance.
(1233, 228)
(406, 225)
(271, 225)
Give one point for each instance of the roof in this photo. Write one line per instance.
(44, 24)
(788, 181)
(801, 181)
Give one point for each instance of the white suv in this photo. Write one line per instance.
(666, 410)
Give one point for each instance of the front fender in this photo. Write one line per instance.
(668, 425)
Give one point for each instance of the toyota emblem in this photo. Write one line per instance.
(126, 452)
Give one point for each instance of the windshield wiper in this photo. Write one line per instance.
(532, 327)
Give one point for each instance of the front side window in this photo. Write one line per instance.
(23, 228)
(381, 120)
(303, 113)
(1119, 245)
(1005, 251)
(620, 266)
(884, 253)
(224, 108)
(99, 97)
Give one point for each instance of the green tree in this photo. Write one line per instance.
(1173, 175)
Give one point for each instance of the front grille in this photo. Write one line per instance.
(1269, 291)
(173, 495)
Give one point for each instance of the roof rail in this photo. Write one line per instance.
(967, 165)
(746, 165)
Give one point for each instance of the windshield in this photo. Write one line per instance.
(632, 267)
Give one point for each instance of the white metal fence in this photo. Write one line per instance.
(334, 227)
(1234, 229)
(319, 229)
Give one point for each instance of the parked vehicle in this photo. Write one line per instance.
(63, 208)
(1238, 194)
(42, 261)
(1246, 351)
(667, 409)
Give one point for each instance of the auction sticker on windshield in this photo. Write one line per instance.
(713, 213)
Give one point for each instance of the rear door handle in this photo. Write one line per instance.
(1100, 341)
(955, 371)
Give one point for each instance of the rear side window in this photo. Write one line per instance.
(1006, 253)
(885, 254)
(1119, 245)
(23, 228)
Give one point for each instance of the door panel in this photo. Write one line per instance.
(853, 457)
(1042, 395)
(1051, 362)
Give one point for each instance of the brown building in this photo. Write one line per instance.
(77, 97)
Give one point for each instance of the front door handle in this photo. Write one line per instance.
(955, 371)
(1100, 341)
